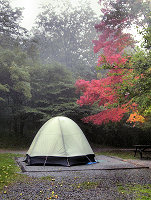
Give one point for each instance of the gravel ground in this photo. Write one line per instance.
(92, 184)
(76, 185)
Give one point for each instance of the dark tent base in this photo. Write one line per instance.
(65, 161)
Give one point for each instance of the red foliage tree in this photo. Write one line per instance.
(112, 42)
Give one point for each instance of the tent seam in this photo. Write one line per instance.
(62, 138)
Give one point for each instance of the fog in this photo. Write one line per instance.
(31, 8)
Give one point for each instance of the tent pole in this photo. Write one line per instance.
(88, 158)
(68, 162)
(45, 161)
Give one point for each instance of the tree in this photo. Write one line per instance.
(15, 87)
(52, 91)
(64, 37)
(108, 92)
(10, 30)
(140, 91)
(53, 94)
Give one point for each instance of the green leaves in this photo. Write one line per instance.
(20, 79)
(10, 19)
(4, 88)
(53, 91)
(14, 78)
(65, 38)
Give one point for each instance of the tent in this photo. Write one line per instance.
(60, 141)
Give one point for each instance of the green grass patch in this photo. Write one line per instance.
(87, 185)
(50, 178)
(138, 192)
(8, 169)
(119, 154)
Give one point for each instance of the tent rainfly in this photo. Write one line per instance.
(60, 141)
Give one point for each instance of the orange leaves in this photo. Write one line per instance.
(135, 117)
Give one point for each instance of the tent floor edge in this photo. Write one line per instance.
(64, 161)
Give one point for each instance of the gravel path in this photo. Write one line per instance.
(94, 185)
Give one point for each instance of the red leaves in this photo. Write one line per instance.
(104, 93)
(112, 41)
(81, 85)
(113, 115)
(98, 91)
(113, 60)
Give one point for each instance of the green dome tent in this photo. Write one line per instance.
(60, 141)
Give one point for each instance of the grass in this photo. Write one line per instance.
(139, 192)
(87, 185)
(50, 178)
(119, 154)
(8, 169)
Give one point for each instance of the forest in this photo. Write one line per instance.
(73, 63)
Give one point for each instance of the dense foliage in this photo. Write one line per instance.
(125, 91)
(36, 84)
(65, 38)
